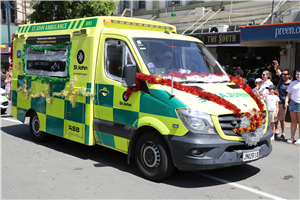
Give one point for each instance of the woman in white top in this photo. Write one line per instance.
(294, 106)
(266, 77)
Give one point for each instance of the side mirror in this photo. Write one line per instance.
(129, 76)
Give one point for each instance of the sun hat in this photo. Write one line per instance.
(271, 87)
(258, 80)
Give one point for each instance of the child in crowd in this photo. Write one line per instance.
(8, 84)
(257, 89)
(272, 102)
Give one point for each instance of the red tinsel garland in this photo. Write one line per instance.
(11, 52)
(256, 120)
(189, 89)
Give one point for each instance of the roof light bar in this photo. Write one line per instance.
(108, 21)
(137, 24)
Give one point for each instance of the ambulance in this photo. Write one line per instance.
(138, 87)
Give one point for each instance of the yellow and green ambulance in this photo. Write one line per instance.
(138, 87)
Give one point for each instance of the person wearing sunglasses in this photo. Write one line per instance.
(293, 100)
(266, 77)
(282, 86)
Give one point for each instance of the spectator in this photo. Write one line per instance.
(3, 72)
(239, 75)
(8, 84)
(293, 96)
(283, 84)
(275, 78)
(266, 76)
(256, 90)
(251, 77)
(272, 103)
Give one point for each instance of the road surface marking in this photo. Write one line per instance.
(239, 186)
(12, 120)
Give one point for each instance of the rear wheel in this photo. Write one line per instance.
(36, 133)
(153, 158)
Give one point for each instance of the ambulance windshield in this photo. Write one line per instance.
(188, 61)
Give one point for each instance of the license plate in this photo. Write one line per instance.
(250, 155)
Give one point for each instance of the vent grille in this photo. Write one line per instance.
(228, 122)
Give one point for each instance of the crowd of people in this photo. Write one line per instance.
(279, 95)
(6, 82)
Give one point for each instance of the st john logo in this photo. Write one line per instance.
(80, 57)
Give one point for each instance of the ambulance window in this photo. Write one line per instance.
(117, 55)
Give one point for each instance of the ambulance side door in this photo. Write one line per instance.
(116, 114)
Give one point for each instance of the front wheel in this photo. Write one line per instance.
(153, 158)
(36, 133)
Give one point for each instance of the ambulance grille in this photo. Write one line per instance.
(228, 122)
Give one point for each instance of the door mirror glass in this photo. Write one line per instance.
(129, 76)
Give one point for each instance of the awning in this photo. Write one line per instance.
(270, 34)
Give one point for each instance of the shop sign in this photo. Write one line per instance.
(219, 38)
(271, 32)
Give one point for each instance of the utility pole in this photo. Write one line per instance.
(8, 21)
(272, 12)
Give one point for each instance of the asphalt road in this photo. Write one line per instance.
(62, 169)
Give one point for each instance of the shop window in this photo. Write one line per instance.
(175, 2)
(141, 5)
(125, 4)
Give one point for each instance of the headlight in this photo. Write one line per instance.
(196, 122)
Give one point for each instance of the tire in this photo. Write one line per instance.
(3, 111)
(36, 133)
(153, 158)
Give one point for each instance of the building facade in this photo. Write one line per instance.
(221, 24)
(16, 17)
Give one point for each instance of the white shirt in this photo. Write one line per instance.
(271, 102)
(263, 88)
(294, 89)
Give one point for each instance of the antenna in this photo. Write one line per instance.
(172, 95)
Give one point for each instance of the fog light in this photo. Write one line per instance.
(196, 152)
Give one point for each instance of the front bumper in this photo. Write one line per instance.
(213, 151)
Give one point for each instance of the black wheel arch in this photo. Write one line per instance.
(136, 134)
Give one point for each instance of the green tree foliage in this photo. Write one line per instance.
(60, 10)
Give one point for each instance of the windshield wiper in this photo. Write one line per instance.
(193, 82)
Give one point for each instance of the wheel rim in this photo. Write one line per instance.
(150, 156)
(35, 126)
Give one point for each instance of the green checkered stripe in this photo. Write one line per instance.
(58, 118)
(158, 104)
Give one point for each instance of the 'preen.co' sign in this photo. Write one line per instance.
(288, 31)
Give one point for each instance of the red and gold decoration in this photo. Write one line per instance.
(72, 93)
(255, 117)
(11, 53)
